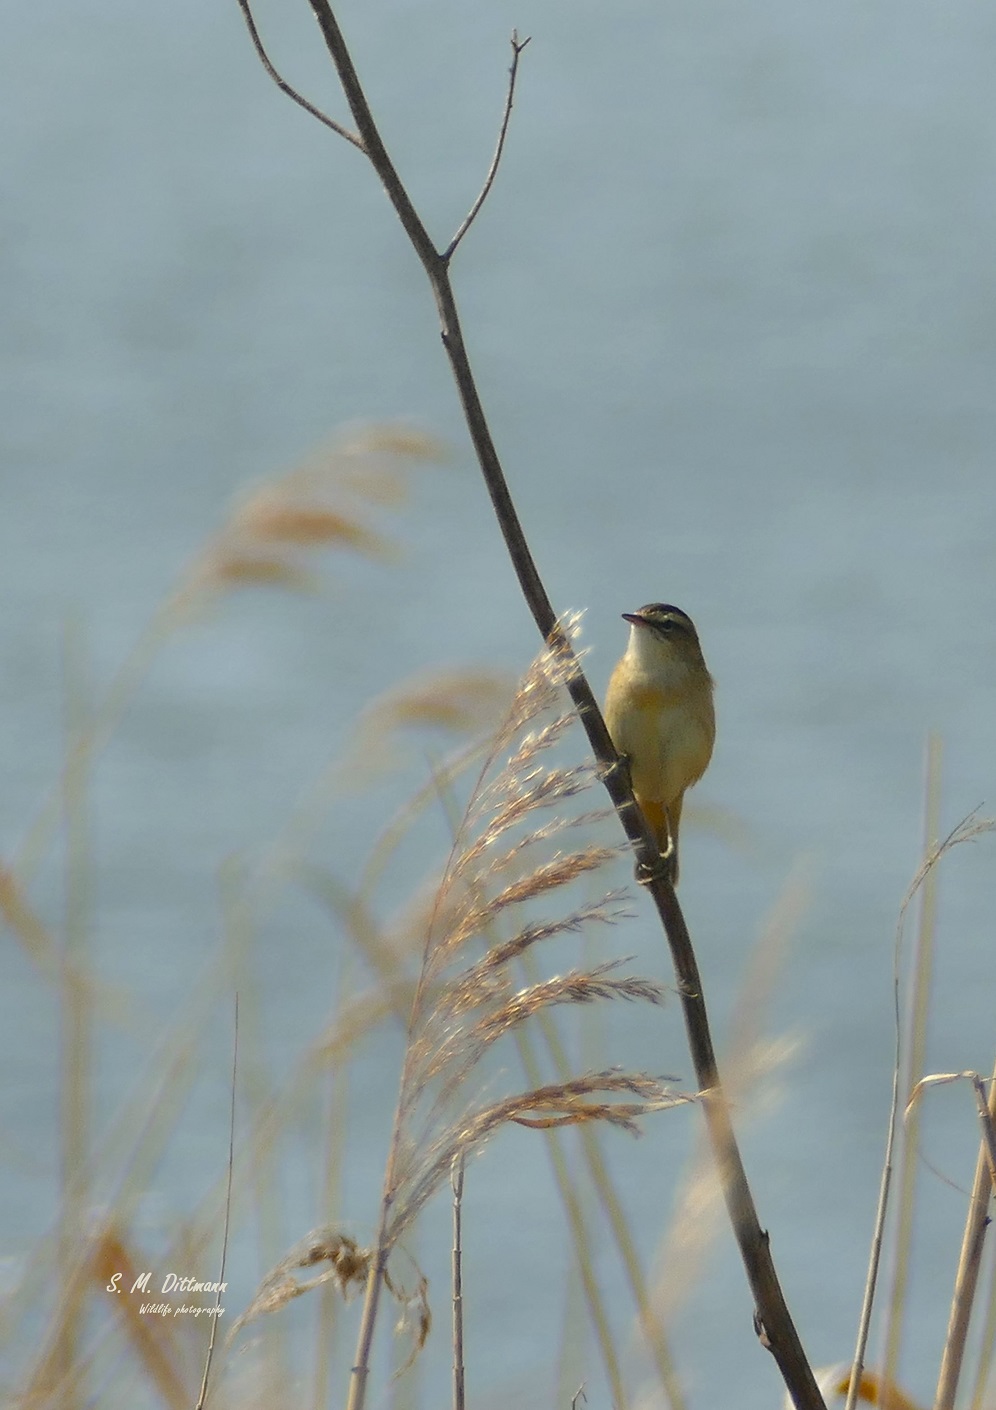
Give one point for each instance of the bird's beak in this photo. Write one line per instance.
(634, 619)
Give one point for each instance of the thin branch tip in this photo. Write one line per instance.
(352, 137)
(468, 220)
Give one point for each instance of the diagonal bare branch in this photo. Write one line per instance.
(291, 92)
(772, 1318)
(370, 139)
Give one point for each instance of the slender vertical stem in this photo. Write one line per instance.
(75, 1011)
(913, 1066)
(459, 1377)
(899, 1071)
(202, 1397)
(371, 1301)
(987, 1345)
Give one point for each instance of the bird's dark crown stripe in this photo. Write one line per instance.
(658, 613)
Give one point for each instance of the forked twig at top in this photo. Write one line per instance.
(517, 47)
(291, 92)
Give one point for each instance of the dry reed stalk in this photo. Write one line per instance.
(911, 1056)
(75, 1020)
(987, 1341)
(570, 1199)
(976, 1223)
(967, 830)
(227, 1223)
(108, 1002)
(327, 1327)
(459, 1366)
(152, 1340)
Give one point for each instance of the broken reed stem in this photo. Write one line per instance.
(776, 1327)
(987, 1345)
(967, 1276)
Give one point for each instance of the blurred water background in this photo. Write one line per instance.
(733, 312)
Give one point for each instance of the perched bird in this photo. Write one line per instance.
(659, 713)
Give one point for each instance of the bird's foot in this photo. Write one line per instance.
(620, 769)
(665, 868)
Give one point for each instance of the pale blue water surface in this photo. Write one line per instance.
(733, 312)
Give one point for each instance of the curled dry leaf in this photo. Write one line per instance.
(345, 1263)
(415, 1317)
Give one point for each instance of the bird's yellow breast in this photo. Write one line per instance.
(667, 731)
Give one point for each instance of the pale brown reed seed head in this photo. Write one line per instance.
(470, 992)
(324, 503)
(557, 1104)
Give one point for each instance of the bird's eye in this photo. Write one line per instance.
(666, 626)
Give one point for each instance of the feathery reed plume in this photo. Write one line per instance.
(466, 997)
(322, 503)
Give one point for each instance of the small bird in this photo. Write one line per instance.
(659, 712)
